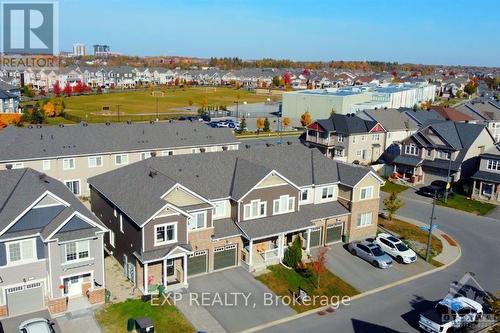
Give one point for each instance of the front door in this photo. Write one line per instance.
(170, 267)
(73, 286)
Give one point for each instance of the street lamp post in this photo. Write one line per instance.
(447, 181)
(431, 226)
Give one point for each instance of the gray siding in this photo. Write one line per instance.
(269, 194)
(149, 231)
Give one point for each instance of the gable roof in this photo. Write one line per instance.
(346, 124)
(422, 117)
(70, 140)
(217, 175)
(390, 119)
(21, 188)
(451, 114)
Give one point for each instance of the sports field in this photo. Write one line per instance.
(143, 102)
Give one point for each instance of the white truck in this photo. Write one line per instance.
(451, 314)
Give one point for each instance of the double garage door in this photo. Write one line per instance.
(25, 299)
(333, 235)
(224, 257)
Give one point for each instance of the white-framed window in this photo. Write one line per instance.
(145, 155)
(77, 250)
(195, 150)
(364, 219)
(17, 165)
(493, 165)
(45, 165)
(339, 152)
(363, 138)
(220, 208)
(327, 192)
(121, 159)
(198, 221)
(340, 138)
(95, 161)
(284, 204)
(375, 137)
(167, 153)
(73, 185)
(304, 195)
(359, 152)
(411, 149)
(366, 192)
(115, 213)
(445, 155)
(68, 163)
(165, 233)
(21, 251)
(353, 139)
(429, 152)
(121, 223)
(111, 238)
(255, 209)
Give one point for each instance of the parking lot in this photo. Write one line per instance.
(364, 276)
(243, 315)
(11, 325)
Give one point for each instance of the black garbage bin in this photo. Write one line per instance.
(144, 325)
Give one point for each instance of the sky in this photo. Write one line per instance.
(450, 32)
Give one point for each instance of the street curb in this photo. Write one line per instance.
(353, 298)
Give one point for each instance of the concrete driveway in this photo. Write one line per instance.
(245, 314)
(11, 325)
(364, 276)
(411, 193)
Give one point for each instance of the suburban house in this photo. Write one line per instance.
(486, 180)
(347, 138)
(486, 112)
(51, 246)
(73, 153)
(9, 102)
(440, 146)
(200, 214)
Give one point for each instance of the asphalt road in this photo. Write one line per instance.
(397, 309)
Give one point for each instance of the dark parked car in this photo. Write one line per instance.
(437, 187)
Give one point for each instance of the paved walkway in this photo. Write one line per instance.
(495, 213)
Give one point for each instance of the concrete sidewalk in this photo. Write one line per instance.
(449, 253)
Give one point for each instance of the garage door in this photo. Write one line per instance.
(333, 234)
(225, 256)
(25, 299)
(197, 263)
(315, 237)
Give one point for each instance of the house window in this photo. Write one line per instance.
(359, 152)
(95, 161)
(353, 139)
(112, 238)
(340, 138)
(493, 165)
(18, 165)
(145, 155)
(121, 223)
(121, 159)
(445, 155)
(77, 250)
(73, 185)
(363, 138)
(366, 193)
(375, 137)
(198, 221)
(284, 204)
(220, 208)
(21, 251)
(194, 150)
(165, 233)
(46, 165)
(304, 195)
(167, 153)
(411, 149)
(339, 152)
(255, 209)
(364, 219)
(429, 152)
(68, 163)
(327, 192)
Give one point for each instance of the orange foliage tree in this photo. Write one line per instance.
(260, 123)
(318, 264)
(286, 122)
(305, 119)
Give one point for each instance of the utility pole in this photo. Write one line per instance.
(447, 182)
(428, 251)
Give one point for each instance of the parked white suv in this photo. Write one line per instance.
(37, 325)
(395, 248)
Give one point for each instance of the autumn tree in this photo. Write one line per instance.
(267, 125)
(287, 78)
(470, 88)
(286, 122)
(305, 118)
(42, 92)
(276, 81)
(392, 203)
(57, 89)
(260, 123)
(318, 264)
(67, 89)
(49, 109)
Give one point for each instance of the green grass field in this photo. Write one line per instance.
(142, 102)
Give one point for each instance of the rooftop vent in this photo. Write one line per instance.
(43, 178)
(153, 173)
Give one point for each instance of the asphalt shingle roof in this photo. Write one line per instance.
(346, 124)
(390, 119)
(487, 176)
(70, 140)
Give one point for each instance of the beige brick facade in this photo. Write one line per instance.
(360, 207)
(97, 296)
(4, 311)
(57, 305)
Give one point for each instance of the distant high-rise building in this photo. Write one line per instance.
(101, 50)
(78, 49)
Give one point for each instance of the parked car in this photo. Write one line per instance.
(395, 248)
(370, 252)
(36, 325)
(437, 187)
(451, 314)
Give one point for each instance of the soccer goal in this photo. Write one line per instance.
(157, 93)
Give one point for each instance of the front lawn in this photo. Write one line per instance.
(461, 202)
(166, 318)
(390, 187)
(412, 234)
(283, 281)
